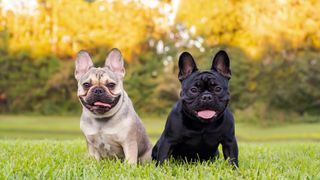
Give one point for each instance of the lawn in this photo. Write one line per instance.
(67, 159)
(53, 148)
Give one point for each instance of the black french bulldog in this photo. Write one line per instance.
(200, 120)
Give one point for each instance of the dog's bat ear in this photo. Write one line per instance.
(83, 64)
(221, 64)
(115, 62)
(187, 66)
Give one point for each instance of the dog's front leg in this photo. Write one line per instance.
(230, 151)
(130, 150)
(93, 151)
(164, 151)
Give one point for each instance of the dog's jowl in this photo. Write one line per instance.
(111, 126)
(200, 120)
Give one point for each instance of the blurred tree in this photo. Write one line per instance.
(292, 84)
(253, 25)
(23, 82)
(64, 27)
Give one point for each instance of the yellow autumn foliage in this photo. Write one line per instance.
(63, 27)
(254, 25)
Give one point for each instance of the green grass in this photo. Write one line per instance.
(39, 147)
(68, 159)
(51, 127)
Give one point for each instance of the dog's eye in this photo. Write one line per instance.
(217, 89)
(111, 85)
(194, 89)
(86, 85)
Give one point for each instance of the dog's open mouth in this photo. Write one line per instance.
(206, 114)
(99, 106)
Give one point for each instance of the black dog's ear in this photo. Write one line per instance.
(221, 64)
(187, 66)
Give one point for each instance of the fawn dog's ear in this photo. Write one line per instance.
(83, 64)
(115, 63)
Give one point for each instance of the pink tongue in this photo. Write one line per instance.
(102, 104)
(206, 114)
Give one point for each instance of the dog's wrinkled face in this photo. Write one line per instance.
(204, 94)
(99, 89)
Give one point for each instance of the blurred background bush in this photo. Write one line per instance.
(273, 46)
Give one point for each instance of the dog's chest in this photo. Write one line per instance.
(105, 144)
(198, 139)
(197, 145)
(105, 139)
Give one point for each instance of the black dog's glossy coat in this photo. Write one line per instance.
(190, 137)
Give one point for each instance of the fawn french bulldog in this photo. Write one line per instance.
(109, 122)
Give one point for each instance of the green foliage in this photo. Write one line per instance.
(292, 83)
(141, 81)
(35, 85)
(24, 89)
(47, 159)
(282, 84)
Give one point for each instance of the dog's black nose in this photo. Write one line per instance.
(206, 97)
(98, 90)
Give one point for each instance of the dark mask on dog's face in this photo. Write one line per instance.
(204, 94)
(99, 89)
